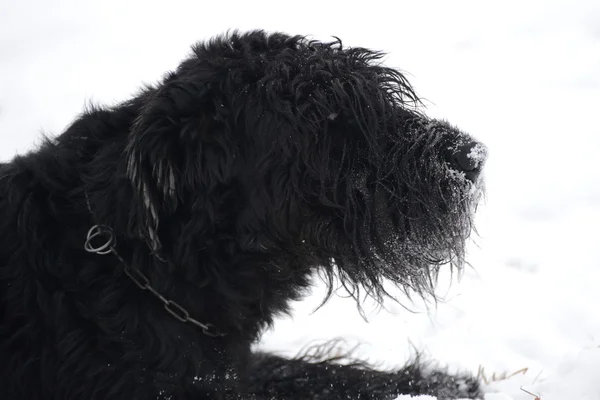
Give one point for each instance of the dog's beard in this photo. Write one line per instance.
(405, 225)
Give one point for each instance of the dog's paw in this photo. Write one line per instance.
(445, 386)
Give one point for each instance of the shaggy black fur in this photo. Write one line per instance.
(260, 159)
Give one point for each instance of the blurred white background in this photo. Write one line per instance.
(523, 77)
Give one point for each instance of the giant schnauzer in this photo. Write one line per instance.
(145, 249)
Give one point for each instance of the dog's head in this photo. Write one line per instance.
(299, 153)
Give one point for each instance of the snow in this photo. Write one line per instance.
(523, 77)
(478, 154)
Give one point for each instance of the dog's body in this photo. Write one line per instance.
(221, 190)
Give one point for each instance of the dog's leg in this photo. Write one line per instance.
(273, 377)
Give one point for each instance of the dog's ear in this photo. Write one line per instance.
(172, 116)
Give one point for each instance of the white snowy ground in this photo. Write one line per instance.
(524, 77)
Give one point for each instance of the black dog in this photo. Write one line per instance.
(143, 251)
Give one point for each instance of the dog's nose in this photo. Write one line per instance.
(469, 159)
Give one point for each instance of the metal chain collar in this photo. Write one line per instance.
(108, 247)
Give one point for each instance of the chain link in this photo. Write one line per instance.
(140, 280)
